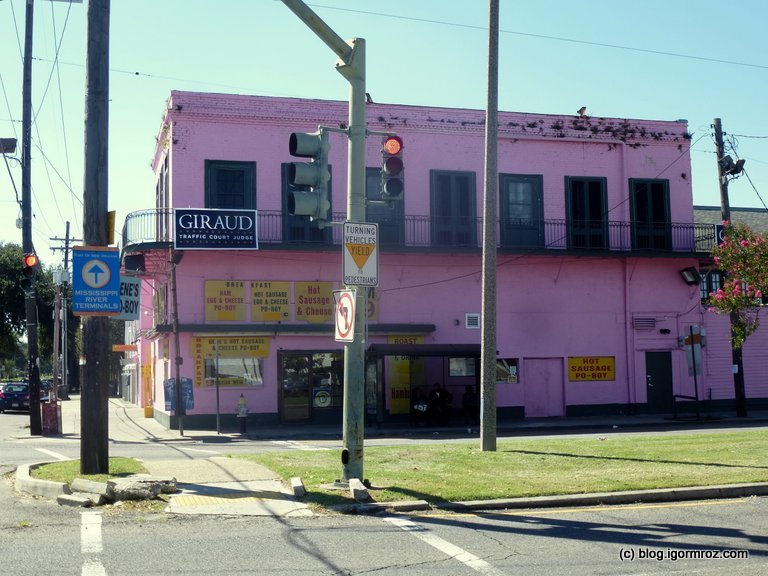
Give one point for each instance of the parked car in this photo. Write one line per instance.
(14, 396)
(45, 390)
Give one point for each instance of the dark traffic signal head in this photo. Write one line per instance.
(312, 177)
(29, 268)
(392, 168)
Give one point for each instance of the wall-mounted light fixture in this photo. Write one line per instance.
(690, 276)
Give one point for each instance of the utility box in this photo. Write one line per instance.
(51, 413)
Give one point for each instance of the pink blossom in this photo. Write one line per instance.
(744, 243)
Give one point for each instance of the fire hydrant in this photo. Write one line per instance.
(242, 413)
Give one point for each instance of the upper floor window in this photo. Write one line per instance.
(162, 202)
(521, 206)
(454, 208)
(390, 217)
(585, 200)
(651, 228)
(711, 281)
(301, 228)
(230, 184)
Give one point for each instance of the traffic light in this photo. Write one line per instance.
(29, 268)
(392, 168)
(312, 177)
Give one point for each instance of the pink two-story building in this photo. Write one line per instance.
(595, 226)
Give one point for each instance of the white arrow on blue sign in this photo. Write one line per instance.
(95, 281)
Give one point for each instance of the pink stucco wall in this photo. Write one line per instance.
(550, 307)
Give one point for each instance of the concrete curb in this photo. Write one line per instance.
(566, 501)
(52, 490)
(44, 488)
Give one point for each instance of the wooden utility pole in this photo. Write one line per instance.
(30, 297)
(68, 240)
(725, 211)
(94, 396)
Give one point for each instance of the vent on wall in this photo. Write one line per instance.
(644, 323)
(472, 321)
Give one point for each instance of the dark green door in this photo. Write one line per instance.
(658, 377)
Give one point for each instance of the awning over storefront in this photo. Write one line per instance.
(451, 350)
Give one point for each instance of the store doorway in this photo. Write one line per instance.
(312, 386)
(658, 378)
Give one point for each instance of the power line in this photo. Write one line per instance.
(548, 37)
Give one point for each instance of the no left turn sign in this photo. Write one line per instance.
(345, 315)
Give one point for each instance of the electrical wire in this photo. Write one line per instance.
(546, 37)
(754, 188)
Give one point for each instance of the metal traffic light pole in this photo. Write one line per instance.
(352, 67)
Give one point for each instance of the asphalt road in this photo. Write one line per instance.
(39, 537)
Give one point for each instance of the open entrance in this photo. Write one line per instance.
(407, 377)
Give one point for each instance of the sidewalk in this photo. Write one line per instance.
(128, 424)
(230, 486)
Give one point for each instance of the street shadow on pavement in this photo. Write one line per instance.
(629, 459)
(543, 524)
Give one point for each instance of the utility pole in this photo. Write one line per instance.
(351, 65)
(488, 348)
(30, 298)
(94, 396)
(175, 256)
(64, 329)
(739, 390)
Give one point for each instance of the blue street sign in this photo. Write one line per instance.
(95, 281)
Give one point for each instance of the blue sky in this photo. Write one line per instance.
(655, 59)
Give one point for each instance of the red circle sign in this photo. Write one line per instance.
(345, 315)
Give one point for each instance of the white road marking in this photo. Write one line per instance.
(445, 547)
(54, 454)
(298, 446)
(199, 450)
(91, 544)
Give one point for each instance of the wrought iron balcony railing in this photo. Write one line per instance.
(155, 226)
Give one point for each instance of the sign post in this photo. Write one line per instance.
(95, 281)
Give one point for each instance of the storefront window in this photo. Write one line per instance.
(506, 370)
(461, 366)
(234, 371)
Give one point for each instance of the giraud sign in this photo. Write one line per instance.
(212, 229)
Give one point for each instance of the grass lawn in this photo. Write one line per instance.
(535, 467)
(68, 470)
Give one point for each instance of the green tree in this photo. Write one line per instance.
(12, 311)
(13, 317)
(743, 259)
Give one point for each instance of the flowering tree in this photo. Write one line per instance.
(743, 259)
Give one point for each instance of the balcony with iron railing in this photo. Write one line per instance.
(153, 228)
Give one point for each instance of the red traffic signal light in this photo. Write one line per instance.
(393, 145)
(30, 261)
(392, 168)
